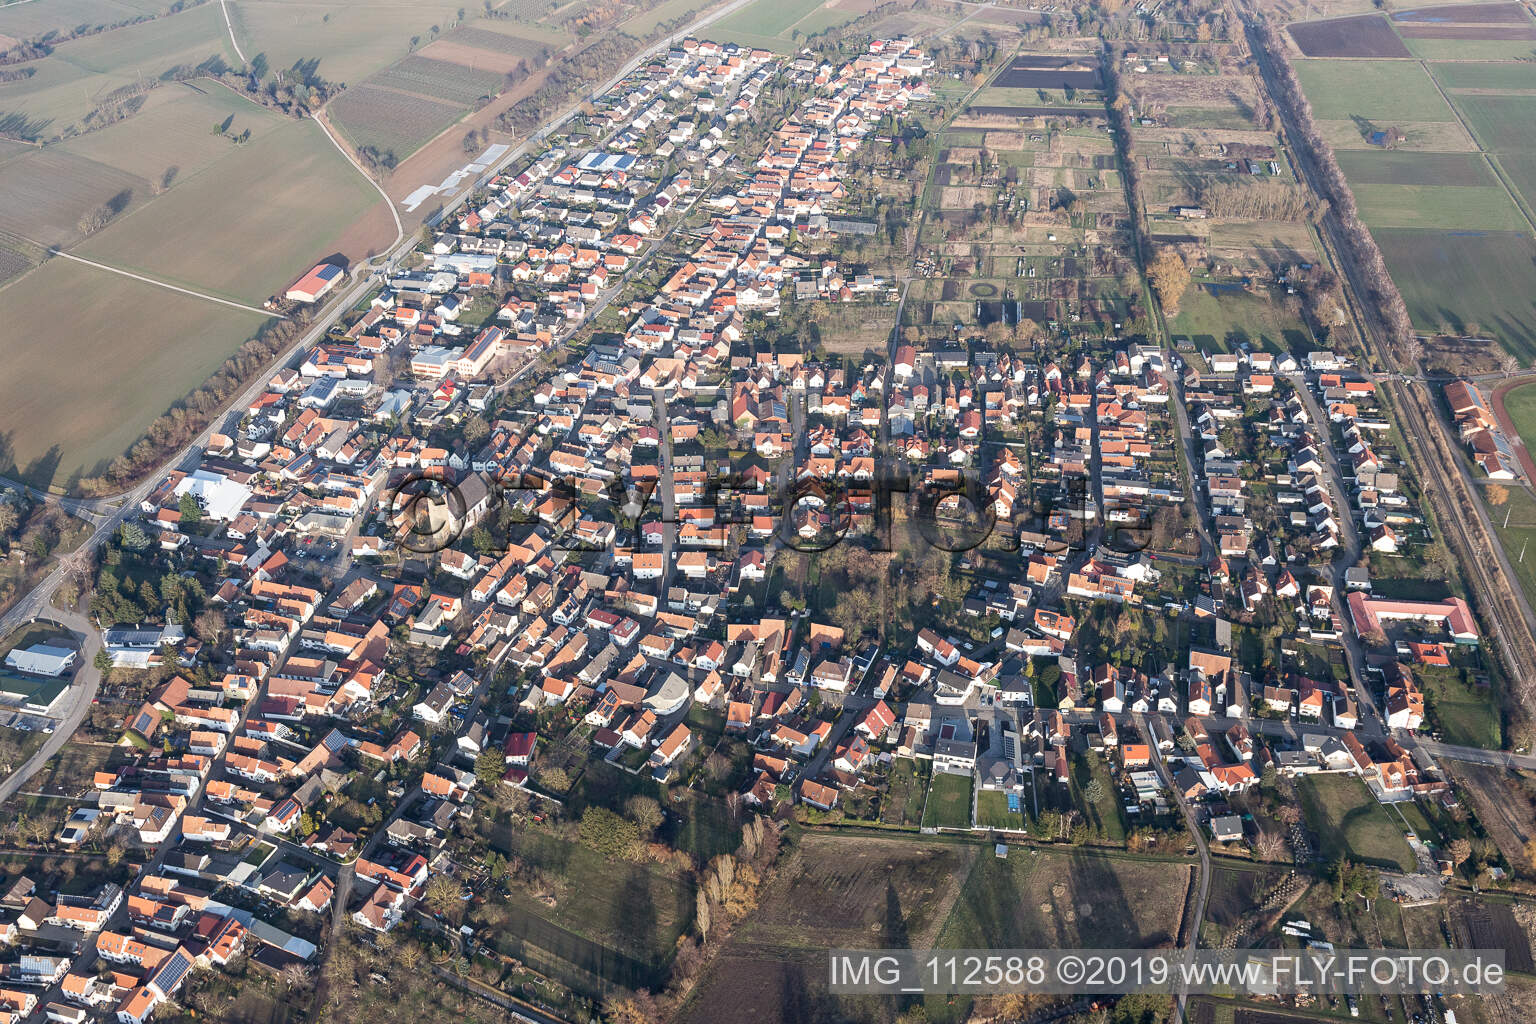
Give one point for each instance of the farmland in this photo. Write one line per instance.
(1350, 823)
(775, 24)
(1453, 224)
(1384, 91)
(68, 83)
(146, 347)
(350, 41)
(399, 108)
(248, 250)
(1367, 35)
(617, 922)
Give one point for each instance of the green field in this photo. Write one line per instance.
(1380, 91)
(1501, 123)
(1487, 278)
(92, 358)
(29, 20)
(1446, 207)
(765, 23)
(196, 236)
(1471, 49)
(66, 83)
(1230, 318)
(1472, 75)
(1397, 167)
(1351, 823)
(350, 41)
(949, 802)
(643, 23)
(175, 129)
(1467, 715)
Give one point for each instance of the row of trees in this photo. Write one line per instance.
(1384, 300)
(187, 418)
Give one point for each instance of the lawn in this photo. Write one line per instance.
(1468, 715)
(992, 811)
(1231, 317)
(1380, 91)
(196, 237)
(1105, 813)
(1487, 278)
(1349, 822)
(949, 802)
(144, 348)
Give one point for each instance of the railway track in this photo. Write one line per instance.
(1496, 597)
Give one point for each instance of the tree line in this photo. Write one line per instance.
(186, 419)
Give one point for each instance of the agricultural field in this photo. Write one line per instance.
(777, 24)
(350, 41)
(1349, 822)
(1367, 35)
(145, 346)
(251, 249)
(1380, 91)
(1463, 279)
(402, 107)
(1441, 157)
(68, 83)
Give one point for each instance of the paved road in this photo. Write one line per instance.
(1198, 836)
(82, 691)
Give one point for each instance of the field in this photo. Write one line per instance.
(250, 249)
(768, 23)
(831, 891)
(350, 41)
(1350, 823)
(643, 23)
(1392, 167)
(1034, 900)
(613, 921)
(144, 346)
(69, 82)
(389, 121)
(949, 802)
(1382, 91)
(1482, 14)
(1446, 207)
(1366, 35)
(399, 108)
(1225, 317)
(1462, 278)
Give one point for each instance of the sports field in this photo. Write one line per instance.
(92, 358)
